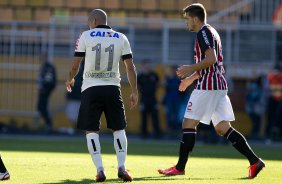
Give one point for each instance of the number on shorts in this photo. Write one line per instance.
(189, 107)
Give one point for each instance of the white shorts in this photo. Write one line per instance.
(205, 106)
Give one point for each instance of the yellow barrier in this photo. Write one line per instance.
(58, 99)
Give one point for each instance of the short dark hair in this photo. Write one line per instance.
(196, 10)
(98, 14)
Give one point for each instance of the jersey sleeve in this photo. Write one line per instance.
(205, 40)
(80, 46)
(126, 50)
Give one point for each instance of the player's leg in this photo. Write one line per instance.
(237, 139)
(240, 144)
(120, 144)
(94, 148)
(199, 108)
(4, 174)
(221, 119)
(90, 111)
(187, 143)
(186, 146)
(115, 116)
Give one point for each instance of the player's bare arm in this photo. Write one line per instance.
(186, 70)
(131, 75)
(73, 71)
(188, 81)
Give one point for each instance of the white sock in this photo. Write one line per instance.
(94, 149)
(120, 143)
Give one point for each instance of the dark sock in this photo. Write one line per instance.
(239, 142)
(186, 146)
(2, 166)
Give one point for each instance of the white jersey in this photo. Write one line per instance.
(103, 48)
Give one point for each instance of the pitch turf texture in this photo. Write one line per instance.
(61, 160)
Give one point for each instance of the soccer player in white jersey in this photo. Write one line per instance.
(209, 100)
(103, 48)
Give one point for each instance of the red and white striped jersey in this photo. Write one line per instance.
(211, 78)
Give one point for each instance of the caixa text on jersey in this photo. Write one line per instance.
(104, 34)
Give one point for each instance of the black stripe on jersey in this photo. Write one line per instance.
(214, 81)
(127, 56)
(204, 82)
(225, 83)
(216, 49)
(199, 83)
(79, 54)
(221, 83)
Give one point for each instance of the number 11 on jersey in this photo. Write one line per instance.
(109, 49)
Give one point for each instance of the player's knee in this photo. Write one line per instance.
(222, 127)
(220, 131)
(117, 132)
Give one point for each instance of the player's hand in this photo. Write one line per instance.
(184, 71)
(185, 83)
(69, 84)
(133, 99)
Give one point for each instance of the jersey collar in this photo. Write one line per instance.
(103, 26)
(204, 26)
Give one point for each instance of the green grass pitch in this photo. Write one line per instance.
(57, 160)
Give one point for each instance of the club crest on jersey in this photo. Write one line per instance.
(104, 34)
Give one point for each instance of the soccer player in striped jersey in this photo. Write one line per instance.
(209, 100)
(103, 48)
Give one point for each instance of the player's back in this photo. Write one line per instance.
(103, 50)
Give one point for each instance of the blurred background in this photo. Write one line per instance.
(33, 32)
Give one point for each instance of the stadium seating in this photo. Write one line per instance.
(131, 8)
(23, 14)
(131, 4)
(37, 3)
(42, 15)
(6, 14)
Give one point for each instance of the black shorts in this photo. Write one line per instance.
(98, 99)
